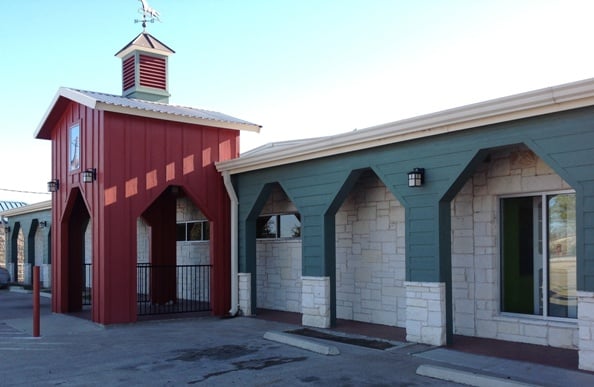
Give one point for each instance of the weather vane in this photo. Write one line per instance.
(149, 14)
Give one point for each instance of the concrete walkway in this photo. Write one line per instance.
(212, 351)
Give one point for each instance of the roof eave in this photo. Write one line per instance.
(35, 207)
(178, 118)
(64, 95)
(56, 108)
(544, 101)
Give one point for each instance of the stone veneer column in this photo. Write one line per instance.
(245, 293)
(315, 301)
(586, 330)
(425, 312)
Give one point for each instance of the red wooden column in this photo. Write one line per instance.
(161, 217)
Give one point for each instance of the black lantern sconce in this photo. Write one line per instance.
(53, 185)
(416, 177)
(43, 224)
(89, 175)
(7, 229)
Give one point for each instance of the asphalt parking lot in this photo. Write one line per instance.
(212, 351)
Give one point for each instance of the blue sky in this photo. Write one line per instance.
(298, 68)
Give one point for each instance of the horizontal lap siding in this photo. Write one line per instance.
(564, 140)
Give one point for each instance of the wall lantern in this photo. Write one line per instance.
(89, 175)
(43, 224)
(7, 229)
(53, 185)
(416, 177)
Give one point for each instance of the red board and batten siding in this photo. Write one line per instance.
(137, 159)
(70, 182)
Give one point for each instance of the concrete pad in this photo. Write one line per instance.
(465, 377)
(299, 342)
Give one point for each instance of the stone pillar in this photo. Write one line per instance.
(586, 330)
(426, 313)
(315, 301)
(245, 293)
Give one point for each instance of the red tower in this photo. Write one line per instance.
(116, 159)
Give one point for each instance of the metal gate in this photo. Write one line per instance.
(189, 287)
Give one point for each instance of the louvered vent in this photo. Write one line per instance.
(128, 73)
(153, 72)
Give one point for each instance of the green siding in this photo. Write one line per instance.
(565, 141)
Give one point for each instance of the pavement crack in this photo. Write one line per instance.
(253, 364)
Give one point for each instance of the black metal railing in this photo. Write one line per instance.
(163, 289)
(87, 283)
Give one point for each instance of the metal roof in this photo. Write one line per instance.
(5, 205)
(138, 107)
(27, 209)
(530, 104)
(148, 42)
(191, 112)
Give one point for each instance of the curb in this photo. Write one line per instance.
(466, 377)
(298, 342)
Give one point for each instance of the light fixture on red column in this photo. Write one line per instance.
(89, 175)
(53, 185)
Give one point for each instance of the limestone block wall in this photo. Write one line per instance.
(245, 293)
(191, 252)
(586, 330)
(41, 255)
(370, 255)
(143, 241)
(278, 261)
(426, 322)
(3, 259)
(193, 286)
(278, 203)
(278, 278)
(88, 277)
(316, 302)
(475, 251)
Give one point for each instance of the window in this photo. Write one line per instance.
(538, 255)
(193, 231)
(278, 226)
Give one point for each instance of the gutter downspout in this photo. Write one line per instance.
(234, 232)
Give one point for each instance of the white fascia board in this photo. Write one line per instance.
(177, 118)
(544, 101)
(64, 92)
(35, 207)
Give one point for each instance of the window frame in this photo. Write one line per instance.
(278, 223)
(202, 231)
(544, 244)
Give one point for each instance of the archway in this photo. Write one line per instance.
(370, 254)
(79, 245)
(173, 256)
(505, 277)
